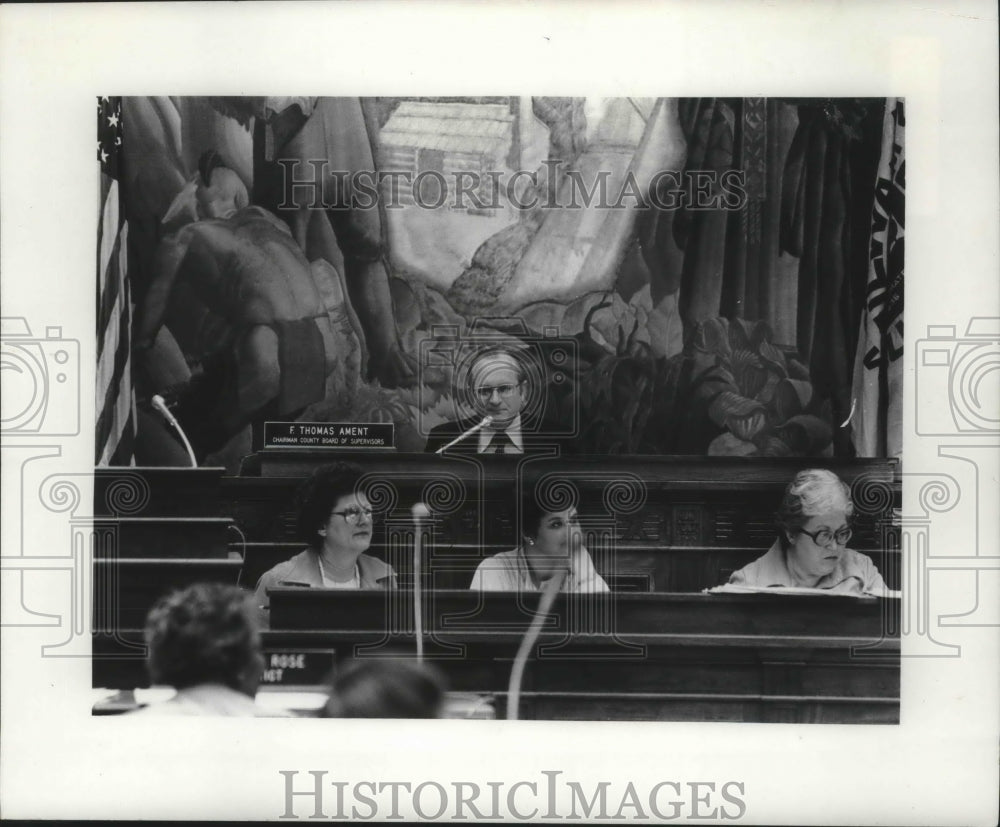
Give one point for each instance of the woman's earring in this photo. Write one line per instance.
(322, 532)
(531, 542)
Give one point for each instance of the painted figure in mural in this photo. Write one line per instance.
(500, 389)
(552, 541)
(326, 141)
(811, 550)
(240, 299)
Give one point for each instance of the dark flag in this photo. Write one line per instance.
(877, 423)
(116, 417)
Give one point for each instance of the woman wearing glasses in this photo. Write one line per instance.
(811, 549)
(552, 541)
(335, 520)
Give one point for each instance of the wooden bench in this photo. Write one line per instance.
(616, 657)
(157, 492)
(165, 537)
(634, 656)
(125, 590)
(658, 526)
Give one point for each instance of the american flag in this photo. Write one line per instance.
(877, 428)
(116, 416)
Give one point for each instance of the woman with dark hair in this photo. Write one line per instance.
(336, 521)
(551, 541)
(204, 642)
(811, 549)
(386, 688)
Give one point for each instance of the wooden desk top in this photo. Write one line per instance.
(774, 621)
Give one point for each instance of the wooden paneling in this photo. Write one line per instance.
(659, 528)
(165, 537)
(125, 590)
(160, 492)
(662, 657)
(683, 523)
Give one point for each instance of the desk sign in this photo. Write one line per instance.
(333, 435)
(297, 667)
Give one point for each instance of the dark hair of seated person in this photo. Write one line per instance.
(537, 501)
(386, 688)
(319, 494)
(205, 633)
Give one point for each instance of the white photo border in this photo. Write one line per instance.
(938, 766)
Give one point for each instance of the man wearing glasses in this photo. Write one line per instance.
(502, 397)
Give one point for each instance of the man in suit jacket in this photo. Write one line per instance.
(499, 388)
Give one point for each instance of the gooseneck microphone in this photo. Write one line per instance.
(549, 592)
(420, 513)
(160, 405)
(487, 420)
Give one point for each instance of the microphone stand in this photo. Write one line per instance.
(549, 592)
(487, 420)
(161, 406)
(420, 513)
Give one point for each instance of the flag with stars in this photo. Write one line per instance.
(116, 416)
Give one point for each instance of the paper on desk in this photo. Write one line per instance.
(730, 588)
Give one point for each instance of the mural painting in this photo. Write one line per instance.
(683, 275)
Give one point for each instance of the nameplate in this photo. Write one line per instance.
(330, 435)
(298, 667)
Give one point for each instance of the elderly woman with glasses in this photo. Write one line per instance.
(811, 549)
(336, 521)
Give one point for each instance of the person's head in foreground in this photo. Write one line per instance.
(335, 518)
(386, 688)
(498, 384)
(814, 521)
(205, 634)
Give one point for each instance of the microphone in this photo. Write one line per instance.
(549, 592)
(161, 406)
(487, 420)
(420, 513)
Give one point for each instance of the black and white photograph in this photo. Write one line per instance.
(641, 352)
(529, 456)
